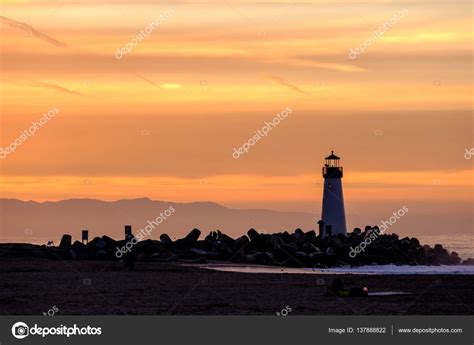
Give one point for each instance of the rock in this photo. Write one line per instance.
(164, 238)
(299, 233)
(286, 237)
(225, 252)
(329, 230)
(316, 256)
(93, 243)
(65, 242)
(204, 253)
(427, 249)
(251, 258)
(439, 251)
(190, 240)
(310, 248)
(80, 250)
(341, 237)
(149, 247)
(39, 253)
(100, 243)
(262, 242)
(240, 243)
(193, 236)
(200, 261)
(78, 246)
(210, 238)
(229, 241)
(279, 256)
(454, 259)
(299, 249)
(310, 236)
(109, 242)
(337, 243)
(252, 233)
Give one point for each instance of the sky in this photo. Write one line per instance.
(163, 120)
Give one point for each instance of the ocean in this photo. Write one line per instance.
(463, 244)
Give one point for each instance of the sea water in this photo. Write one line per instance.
(370, 269)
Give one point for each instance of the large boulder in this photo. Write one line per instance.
(240, 243)
(80, 250)
(252, 233)
(65, 243)
(109, 243)
(148, 248)
(211, 238)
(286, 237)
(299, 234)
(227, 240)
(310, 236)
(165, 239)
(190, 240)
(261, 242)
(193, 236)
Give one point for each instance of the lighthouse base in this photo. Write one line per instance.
(333, 213)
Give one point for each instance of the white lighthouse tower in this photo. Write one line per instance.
(333, 215)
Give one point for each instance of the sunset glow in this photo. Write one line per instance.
(162, 121)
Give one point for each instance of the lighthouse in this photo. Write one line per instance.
(333, 214)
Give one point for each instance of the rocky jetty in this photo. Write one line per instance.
(297, 249)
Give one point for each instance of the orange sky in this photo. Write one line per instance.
(162, 121)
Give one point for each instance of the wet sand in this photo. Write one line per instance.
(33, 286)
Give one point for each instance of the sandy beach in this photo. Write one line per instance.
(34, 286)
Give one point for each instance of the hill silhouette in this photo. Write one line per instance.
(36, 222)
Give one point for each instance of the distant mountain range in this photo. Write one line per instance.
(36, 222)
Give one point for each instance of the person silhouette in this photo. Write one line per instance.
(337, 288)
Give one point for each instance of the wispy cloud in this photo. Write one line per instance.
(147, 80)
(55, 87)
(282, 82)
(31, 30)
(324, 65)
